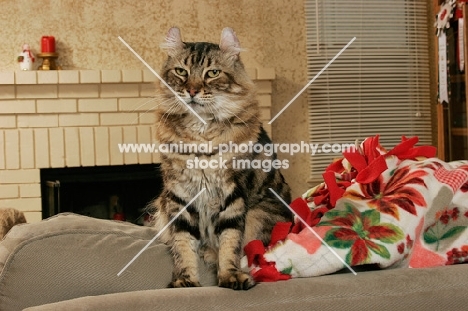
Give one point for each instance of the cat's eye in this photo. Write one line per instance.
(181, 71)
(213, 73)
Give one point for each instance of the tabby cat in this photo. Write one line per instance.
(236, 206)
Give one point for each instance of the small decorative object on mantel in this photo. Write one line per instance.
(48, 44)
(26, 58)
(48, 54)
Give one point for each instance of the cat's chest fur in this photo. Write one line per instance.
(187, 179)
(214, 183)
(197, 127)
(209, 203)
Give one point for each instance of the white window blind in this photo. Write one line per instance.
(379, 85)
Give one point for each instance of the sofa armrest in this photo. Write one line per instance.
(69, 256)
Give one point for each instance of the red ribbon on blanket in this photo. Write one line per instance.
(371, 164)
(335, 188)
(255, 250)
(406, 150)
(311, 217)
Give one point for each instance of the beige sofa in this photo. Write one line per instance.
(71, 262)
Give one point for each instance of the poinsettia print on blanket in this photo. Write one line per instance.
(397, 208)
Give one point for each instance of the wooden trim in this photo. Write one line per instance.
(459, 131)
(465, 31)
(440, 131)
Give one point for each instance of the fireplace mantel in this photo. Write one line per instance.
(73, 118)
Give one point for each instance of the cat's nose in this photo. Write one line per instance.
(193, 92)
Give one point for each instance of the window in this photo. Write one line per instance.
(379, 85)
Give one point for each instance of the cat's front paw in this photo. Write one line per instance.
(237, 280)
(183, 282)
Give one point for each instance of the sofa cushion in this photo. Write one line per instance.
(441, 288)
(69, 256)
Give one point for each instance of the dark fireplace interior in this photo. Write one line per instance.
(108, 192)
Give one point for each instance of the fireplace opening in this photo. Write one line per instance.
(108, 192)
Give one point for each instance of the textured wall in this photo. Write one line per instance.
(272, 31)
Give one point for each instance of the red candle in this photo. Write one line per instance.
(48, 44)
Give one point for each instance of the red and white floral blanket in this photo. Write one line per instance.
(397, 208)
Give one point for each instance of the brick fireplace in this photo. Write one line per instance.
(77, 118)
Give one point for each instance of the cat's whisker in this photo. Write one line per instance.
(144, 103)
(145, 112)
(241, 120)
(224, 120)
(244, 110)
(210, 107)
(225, 105)
(160, 120)
(140, 114)
(251, 114)
(166, 115)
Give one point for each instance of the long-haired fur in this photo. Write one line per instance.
(236, 206)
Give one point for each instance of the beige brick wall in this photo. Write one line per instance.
(72, 118)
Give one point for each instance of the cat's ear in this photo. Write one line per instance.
(229, 43)
(173, 43)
